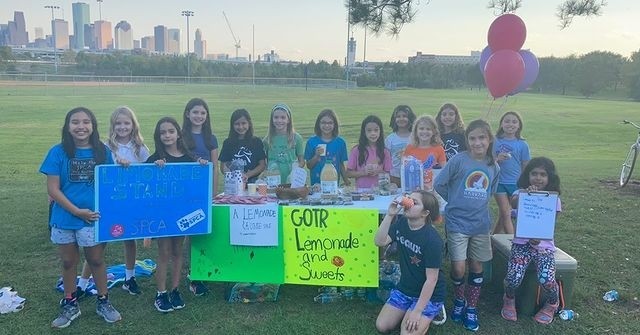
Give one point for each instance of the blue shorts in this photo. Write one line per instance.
(507, 189)
(404, 302)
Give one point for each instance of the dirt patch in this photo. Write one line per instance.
(632, 187)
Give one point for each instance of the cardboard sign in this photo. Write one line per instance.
(144, 200)
(213, 258)
(330, 246)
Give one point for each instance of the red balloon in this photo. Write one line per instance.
(507, 32)
(504, 72)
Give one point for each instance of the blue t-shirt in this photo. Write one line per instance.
(419, 250)
(467, 185)
(76, 183)
(336, 152)
(511, 168)
(201, 149)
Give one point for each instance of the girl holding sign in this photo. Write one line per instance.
(420, 292)
(69, 167)
(170, 148)
(539, 175)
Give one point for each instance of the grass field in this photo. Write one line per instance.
(598, 227)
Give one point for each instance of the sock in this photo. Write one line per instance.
(83, 283)
(162, 292)
(473, 288)
(102, 298)
(129, 273)
(458, 288)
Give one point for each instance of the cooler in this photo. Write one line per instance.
(526, 294)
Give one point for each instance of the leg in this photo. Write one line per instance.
(164, 249)
(504, 225)
(176, 260)
(479, 252)
(70, 256)
(545, 265)
(516, 268)
(95, 260)
(457, 246)
(389, 318)
(130, 255)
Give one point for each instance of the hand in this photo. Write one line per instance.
(202, 161)
(319, 152)
(161, 162)
(123, 162)
(244, 178)
(393, 208)
(534, 241)
(346, 182)
(146, 243)
(503, 156)
(532, 188)
(412, 321)
(87, 215)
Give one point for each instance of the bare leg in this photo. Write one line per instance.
(130, 254)
(164, 247)
(70, 256)
(389, 318)
(95, 259)
(176, 260)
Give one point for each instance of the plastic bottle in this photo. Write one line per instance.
(611, 296)
(325, 298)
(272, 175)
(567, 314)
(329, 180)
(347, 293)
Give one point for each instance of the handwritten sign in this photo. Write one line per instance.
(255, 225)
(144, 200)
(536, 215)
(330, 246)
(213, 258)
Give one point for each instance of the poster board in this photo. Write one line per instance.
(254, 225)
(144, 200)
(330, 246)
(213, 258)
(536, 215)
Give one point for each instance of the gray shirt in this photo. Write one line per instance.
(467, 185)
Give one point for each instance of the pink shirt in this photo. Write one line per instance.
(544, 244)
(372, 158)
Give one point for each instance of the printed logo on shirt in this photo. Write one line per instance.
(244, 154)
(451, 148)
(476, 185)
(409, 245)
(81, 170)
(503, 147)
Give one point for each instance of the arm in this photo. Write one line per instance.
(257, 170)
(343, 173)
(425, 295)
(214, 160)
(382, 237)
(311, 163)
(53, 188)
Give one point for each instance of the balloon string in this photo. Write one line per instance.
(489, 109)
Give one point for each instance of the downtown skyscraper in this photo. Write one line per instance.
(80, 19)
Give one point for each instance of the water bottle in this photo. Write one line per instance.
(611, 296)
(325, 298)
(361, 293)
(347, 293)
(328, 289)
(567, 314)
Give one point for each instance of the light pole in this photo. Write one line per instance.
(53, 33)
(187, 14)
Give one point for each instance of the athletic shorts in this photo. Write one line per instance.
(404, 302)
(506, 189)
(84, 237)
(475, 247)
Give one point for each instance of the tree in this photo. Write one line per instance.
(392, 15)
(598, 70)
(632, 76)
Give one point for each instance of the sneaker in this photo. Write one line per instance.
(162, 303)
(509, 308)
(197, 288)
(470, 321)
(176, 299)
(107, 311)
(77, 295)
(69, 311)
(131, 286)
(441, 318)
(458, 310)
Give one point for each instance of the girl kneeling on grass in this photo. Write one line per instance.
(420, 293)
(69, 167)
(539, 175)
(170, 148)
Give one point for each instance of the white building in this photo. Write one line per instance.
(473, 58)
(123, 36)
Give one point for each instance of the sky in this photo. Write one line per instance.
(305, 30)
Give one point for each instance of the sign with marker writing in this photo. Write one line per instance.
(330, 246)
(255, 225)
(536, 215)
(144, 200)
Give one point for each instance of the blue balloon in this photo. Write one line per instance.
(531, 69)
(484, 56)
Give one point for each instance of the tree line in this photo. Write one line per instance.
(587, 74)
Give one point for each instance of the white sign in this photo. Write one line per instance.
(536, 215)
(254, 225)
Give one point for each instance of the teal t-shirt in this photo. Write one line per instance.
(284, 155)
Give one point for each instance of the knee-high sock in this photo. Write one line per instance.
(458, 288)
(473, 288)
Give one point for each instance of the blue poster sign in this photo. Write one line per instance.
(144, 200)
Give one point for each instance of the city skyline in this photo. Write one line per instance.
(304, 30)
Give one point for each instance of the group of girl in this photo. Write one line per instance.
(469, 176)
(479, 166)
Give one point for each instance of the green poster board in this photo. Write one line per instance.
(213, 258)
(330, 246)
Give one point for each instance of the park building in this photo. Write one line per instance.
(473, 58)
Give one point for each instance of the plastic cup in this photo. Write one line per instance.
(252, 188)
(262, 189)
(323, 149)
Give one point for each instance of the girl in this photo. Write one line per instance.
(539, 175)
(401, 122)
(451, 129)
(170, 148)
(241, 150)
(326, 145)
(69, 167)
(283, 145)
(420, 292)
(467, 183)
(199, 139)
(512, 154)
(369, 157)
(426, 142)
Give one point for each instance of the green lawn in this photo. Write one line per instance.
(598, 226)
